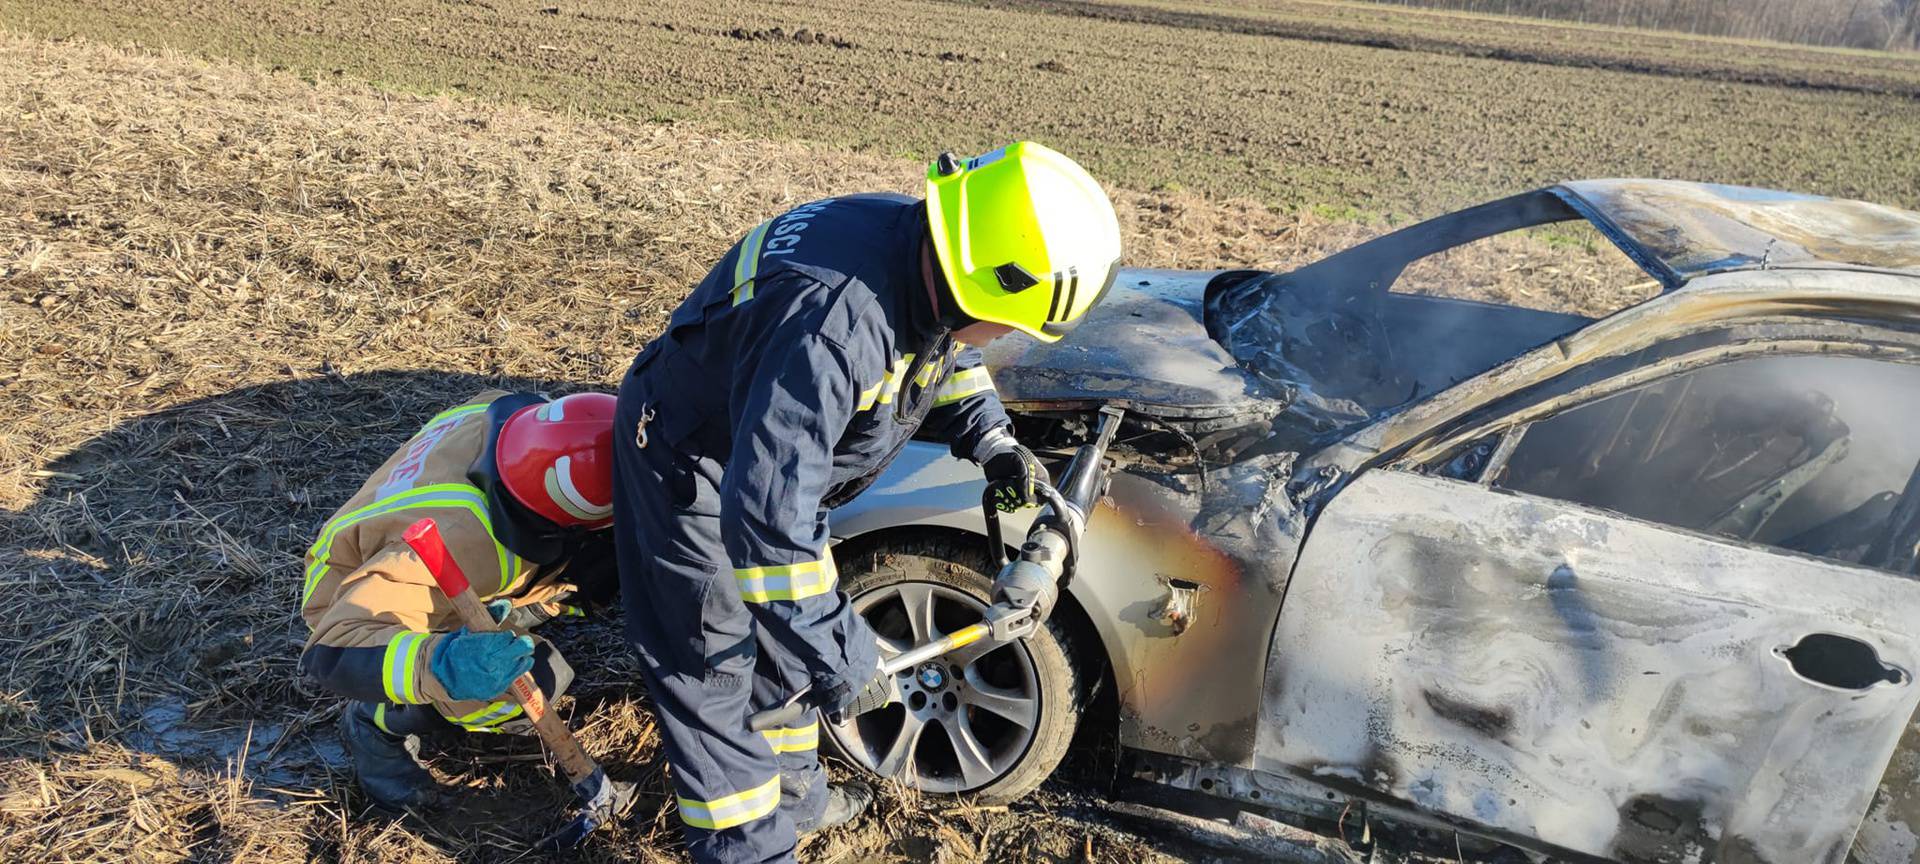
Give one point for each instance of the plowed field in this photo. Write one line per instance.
(1351, 108)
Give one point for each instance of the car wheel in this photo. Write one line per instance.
(991, 721)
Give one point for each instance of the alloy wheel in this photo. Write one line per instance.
(960, 721)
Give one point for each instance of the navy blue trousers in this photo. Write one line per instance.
(742, 795)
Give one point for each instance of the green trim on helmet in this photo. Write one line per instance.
(1024, 237)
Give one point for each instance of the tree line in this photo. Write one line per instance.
(1892, 25)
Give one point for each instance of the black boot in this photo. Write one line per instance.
(844, 802)
(387, 765)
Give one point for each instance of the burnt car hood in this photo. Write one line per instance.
(1145, 348)
(1237, 349)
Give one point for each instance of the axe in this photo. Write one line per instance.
(601, 799)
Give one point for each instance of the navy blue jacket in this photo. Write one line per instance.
(803, 362)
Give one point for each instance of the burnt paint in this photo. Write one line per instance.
(1234, 736)
(1193, 693)
(1887, 835)
(1581, 661)
(1658, 830)
(1492, 721)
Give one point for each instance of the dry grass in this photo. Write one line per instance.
(225, 295)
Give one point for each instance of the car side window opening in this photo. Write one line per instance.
(1807, 453)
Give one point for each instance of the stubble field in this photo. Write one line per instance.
(227, 292)
(225, 295)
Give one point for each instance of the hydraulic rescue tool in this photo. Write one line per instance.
(601, 799)
(1045, 564)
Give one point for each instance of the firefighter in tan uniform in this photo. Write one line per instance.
(521, 488)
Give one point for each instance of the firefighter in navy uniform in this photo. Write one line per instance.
(521, 489)
(781, 387)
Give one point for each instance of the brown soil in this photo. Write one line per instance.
(1350, 107)
(226, 294)
(1670, 55)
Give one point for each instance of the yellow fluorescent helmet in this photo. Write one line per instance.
(1024, 236)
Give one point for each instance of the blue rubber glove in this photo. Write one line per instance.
(480, 665)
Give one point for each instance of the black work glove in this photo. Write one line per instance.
(1013, 477)
(877, 693)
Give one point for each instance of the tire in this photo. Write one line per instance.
(957, 575)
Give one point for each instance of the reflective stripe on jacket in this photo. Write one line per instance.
(374, 610)
(803, 362)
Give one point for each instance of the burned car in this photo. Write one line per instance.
(1638, 588)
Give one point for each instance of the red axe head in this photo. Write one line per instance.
(424, 537)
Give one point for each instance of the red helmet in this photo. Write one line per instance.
(557, 459)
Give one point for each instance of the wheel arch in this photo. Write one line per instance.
(1084, 641)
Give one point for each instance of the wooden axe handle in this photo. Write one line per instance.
(424, 537)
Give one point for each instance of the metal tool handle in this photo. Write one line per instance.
(1069, 505)
(798, 707)
(1056, 504)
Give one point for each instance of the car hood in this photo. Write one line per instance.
(1306, 363)
(1145, 348)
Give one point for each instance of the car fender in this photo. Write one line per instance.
(926, 486)
(1144, 576)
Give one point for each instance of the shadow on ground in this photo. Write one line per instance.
(150, 707)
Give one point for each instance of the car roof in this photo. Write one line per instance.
(1678, 231)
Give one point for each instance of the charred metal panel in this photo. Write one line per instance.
(1143, 348)
(1686, 230)
(1609, 687)
(1372, 267)
(1441, 341)
(1887, 835)
(1191, 688)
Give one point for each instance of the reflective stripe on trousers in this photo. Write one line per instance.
(788, 581)
(736, 809)
(794, 739)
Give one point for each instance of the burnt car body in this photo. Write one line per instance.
(1636, 588)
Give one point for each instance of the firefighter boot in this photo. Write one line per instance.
(844, 802)
(386, 764)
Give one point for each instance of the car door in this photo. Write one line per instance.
(1661, 625)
